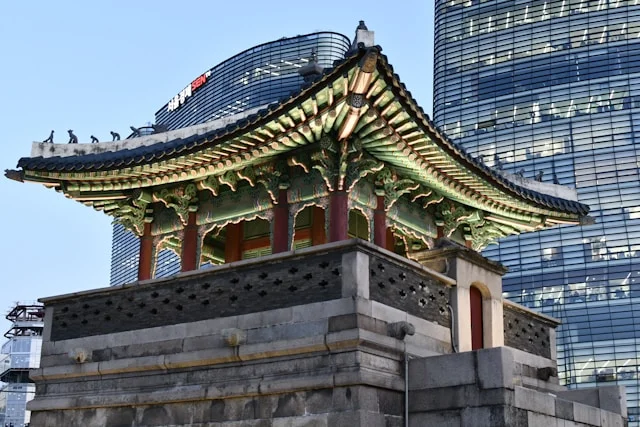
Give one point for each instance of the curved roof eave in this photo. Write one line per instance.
(164, 151)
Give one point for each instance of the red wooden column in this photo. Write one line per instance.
(146, 253)
(439, 229)
(338, 216)
(281, 223)
(380, 223)
(190, 242)
(318, 233)
(233, 243)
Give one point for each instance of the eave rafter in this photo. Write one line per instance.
(415, 151)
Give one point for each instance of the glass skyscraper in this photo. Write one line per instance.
(256, 77)
(551, 90)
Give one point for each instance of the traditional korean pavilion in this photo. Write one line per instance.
(407, 327)
(349, 155)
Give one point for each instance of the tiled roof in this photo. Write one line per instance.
(178, 147)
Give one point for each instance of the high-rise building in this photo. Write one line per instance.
(19, 354)
(251, 79)
(551, 89)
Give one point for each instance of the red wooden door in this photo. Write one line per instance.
(476, 318)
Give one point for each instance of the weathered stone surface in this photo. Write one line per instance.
(526, 332)
(494, 416)
(207, 295)
(440, 419)
(533, 400)
(564, 409)
(610, 398)
(442, 371)
(457, 397)
(535, 419)
(406, 290)
(610, 419)
(353, 321)
(495, 368)
(301, 361)
(586, 414)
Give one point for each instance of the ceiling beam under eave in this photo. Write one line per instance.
(521, 225)
(98, 195)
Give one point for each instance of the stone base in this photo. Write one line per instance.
(313, 338)
(500, 387)
(340, 406)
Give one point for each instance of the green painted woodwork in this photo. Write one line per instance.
(354, 125)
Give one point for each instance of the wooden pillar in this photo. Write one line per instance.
(145, 261)
(439, 229)
(380, 223)
(318, 233)
(281, 223)
(190, 240)
(338, 216)
(391, 241)
(233, 243)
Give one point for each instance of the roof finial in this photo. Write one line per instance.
(312, 71)
(363, 37)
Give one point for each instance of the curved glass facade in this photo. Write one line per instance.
(551, 89)
(258, 76)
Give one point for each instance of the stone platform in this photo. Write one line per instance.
(315, 337)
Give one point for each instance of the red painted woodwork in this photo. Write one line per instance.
(189, 253)
(468, 243)
(281, 223)
(145, 261)
(338, 216)
(475, 298)
(380, 223)
(391, 240)
(439, 231)
(233, 243)
(255, 243)
(318, 234)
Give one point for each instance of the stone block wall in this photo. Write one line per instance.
(317, 355)
(502, 387)
(525, 331)
(306, 338)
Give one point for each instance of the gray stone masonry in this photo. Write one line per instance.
(305, 342)
(490, 388)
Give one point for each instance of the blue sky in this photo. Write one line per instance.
(99, 66)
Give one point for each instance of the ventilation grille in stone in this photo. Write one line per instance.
(406, 290)
(245, 290)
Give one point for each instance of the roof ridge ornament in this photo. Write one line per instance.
(312, 70)
(363, 37)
